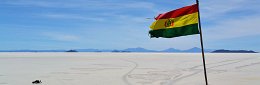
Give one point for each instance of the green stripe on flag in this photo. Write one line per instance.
(175, 32)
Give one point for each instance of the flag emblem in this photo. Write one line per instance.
(169, 23)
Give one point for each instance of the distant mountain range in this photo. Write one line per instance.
(138, 49)
(192, 50)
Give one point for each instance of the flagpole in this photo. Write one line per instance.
(201, 43)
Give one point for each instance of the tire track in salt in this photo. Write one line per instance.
(244, 66)
(194, 68)
(124, 78)
(176, 79)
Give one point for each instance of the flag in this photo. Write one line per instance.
(179, 22)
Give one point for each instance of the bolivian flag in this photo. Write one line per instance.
(179, 22)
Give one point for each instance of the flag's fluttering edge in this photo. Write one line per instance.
(179, 22)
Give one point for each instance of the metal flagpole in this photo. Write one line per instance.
(201, 43)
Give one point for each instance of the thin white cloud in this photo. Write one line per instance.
(60, 36)
(71, 16)
(86, 4)
(127, 18)
(98, 17)
(234, 28)
(214, 9)
(28, 3)
(146, 5)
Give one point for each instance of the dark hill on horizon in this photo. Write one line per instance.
(233, 51)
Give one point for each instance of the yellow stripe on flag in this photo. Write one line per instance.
(175, 22)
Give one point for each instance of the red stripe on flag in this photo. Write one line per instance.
(179, 12)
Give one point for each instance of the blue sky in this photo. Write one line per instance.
(119, 24)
